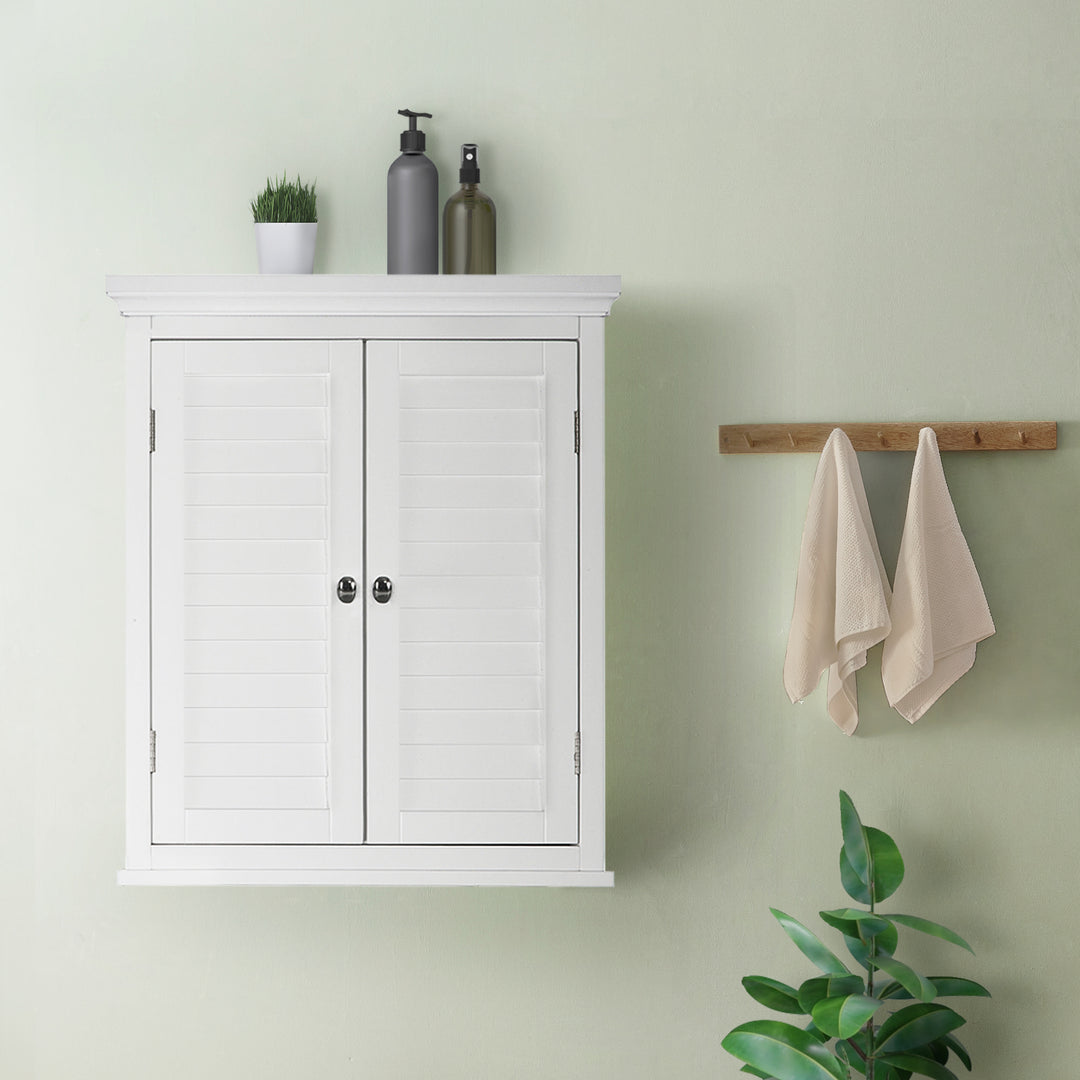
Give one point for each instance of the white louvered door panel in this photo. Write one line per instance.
(472, 664)
(256, 687)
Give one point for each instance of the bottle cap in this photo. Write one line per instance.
(413, 139)
(470, 166)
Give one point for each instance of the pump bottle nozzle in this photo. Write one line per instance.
(413, 139)
(469, 172)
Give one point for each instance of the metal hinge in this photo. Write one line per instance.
(577, 432)
(153, 431)
(577, 753)
(153, 750)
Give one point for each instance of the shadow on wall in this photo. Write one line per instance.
(669, 363)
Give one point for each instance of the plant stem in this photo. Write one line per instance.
(872, 953)
(855, 1046)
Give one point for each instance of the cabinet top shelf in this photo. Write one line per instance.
(363, 294)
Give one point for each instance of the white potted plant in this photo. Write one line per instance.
(285, 226)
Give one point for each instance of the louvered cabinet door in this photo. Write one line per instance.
(256, 668)
(472, 662)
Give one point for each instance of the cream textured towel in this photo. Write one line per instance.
(939, 610)
(842, 593)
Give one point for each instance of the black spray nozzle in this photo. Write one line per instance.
(413, 139)
(470, 166)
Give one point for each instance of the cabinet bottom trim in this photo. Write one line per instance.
(549, 878)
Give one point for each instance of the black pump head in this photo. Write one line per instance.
(470, 166)
(413, 139)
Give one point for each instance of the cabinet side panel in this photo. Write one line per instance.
(137, 360)
(592, 593)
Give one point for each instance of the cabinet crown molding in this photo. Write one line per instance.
(363, 294)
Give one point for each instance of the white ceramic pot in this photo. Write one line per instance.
(285, 247)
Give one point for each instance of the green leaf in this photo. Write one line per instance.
(782, 1051)
(936, 1051)
(757, 1072)
(915, 1026)
(952, 986)
(852, 922)
(847, 927)
(925, 926)
(886, 864)
(914, 983)
(841, 1017)
(916, 1064)
(854, 885)
(850, 1057)
(814, 990)
(951, 1042)
(870, 864)
(855, 846)
(885, 942)
(809, 945)
(773, 994)
(944, 985)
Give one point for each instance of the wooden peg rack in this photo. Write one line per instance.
(951, 435)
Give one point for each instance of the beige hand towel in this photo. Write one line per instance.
(939, 610)
(842, 593)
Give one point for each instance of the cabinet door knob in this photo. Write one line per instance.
(346, 590)
(382, 589)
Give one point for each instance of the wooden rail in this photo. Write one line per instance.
(951, 435)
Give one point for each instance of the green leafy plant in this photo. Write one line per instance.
(285, 200)
(856, 1026)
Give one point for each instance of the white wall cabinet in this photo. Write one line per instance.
(366, 582)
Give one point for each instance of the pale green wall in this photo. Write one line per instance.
(821, 210)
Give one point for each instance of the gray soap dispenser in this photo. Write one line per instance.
(469, 222)
(412, 206)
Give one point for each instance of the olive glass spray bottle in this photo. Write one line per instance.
(469, 223)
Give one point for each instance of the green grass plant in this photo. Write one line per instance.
(285, 200)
